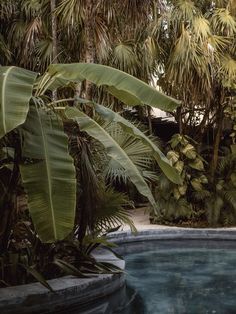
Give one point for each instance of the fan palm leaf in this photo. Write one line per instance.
(113, 150)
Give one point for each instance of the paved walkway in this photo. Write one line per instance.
(140, 217)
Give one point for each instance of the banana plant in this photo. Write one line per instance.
(28, 107)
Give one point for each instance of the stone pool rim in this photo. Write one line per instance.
(34, 298)
(68, 291)
(174, 233)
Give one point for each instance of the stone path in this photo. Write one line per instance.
(140, 217)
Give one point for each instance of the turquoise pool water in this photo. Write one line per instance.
(181, 277)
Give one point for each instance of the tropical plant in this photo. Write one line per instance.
(230, 113)
(138, 152)
(182, 201)
(196, 41)
(220, 204)
(28, 259)
(42, 154)
(34, 129)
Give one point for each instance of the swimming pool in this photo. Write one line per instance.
(178, 277)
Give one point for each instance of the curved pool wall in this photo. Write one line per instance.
(124, 239)
(71, 292)
(173, 233)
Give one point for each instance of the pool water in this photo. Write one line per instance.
(180, 277)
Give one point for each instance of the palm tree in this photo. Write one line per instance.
(197, 62)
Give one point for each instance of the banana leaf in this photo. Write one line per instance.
(49, 176)
(113, 150)
(16, 87)
(123, 86)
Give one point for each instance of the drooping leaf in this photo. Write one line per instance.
(173, 156)
(189, 151)
(112, 148)
(179, 166)
(125, 87)
(175, 140)
(50, 181)
(182, 189)
(197, 164)
(69, 269)
(39, 277)
(16, 86)
(233, 178)
(203, 179)
(196, 184)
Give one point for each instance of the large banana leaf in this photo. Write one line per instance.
(128, 127)
(112, 148)
(16, 86)
(125, 87)
(50, 180)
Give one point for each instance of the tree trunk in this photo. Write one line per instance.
(54, 40)
(149, 119)
(54, 32)
(88, 51)
(216, 143)
(179, 119)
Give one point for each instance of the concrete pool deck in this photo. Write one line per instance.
(140, 217)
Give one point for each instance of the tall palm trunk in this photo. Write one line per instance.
(54, 32)
(216, 143)
(88, 52)
(54, 39)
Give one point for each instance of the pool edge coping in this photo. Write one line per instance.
(34, 298)
(171, 233)
(68, 291)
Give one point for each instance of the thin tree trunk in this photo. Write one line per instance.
(54, 39)
(54, 32)
(179, 119)
(149, 120)
(216, 143)
(88, 53)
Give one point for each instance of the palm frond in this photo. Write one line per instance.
(71, 12)
(139, 153)
(110, 210)
(43, 50)
(183, 11)
(201, 28)
(227, 70)
(223, 23)
(124, 58)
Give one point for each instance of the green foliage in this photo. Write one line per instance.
(112, 210)
(15, 93)
(123, 86)
(112, 148)
(201, 197)
(40, 150)
(230, 113)
(140, 154)
(221, 203)
(29, 260)
(182, 201)
(44, 140)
